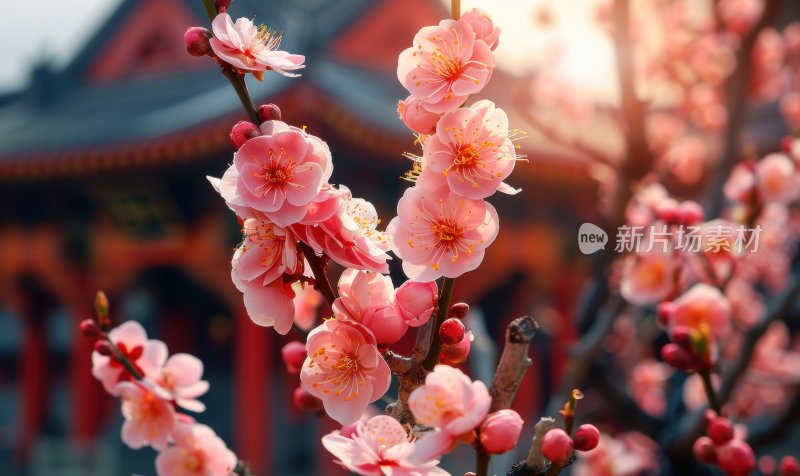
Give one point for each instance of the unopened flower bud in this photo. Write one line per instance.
(103, 347)
(452, 331)
(677, 357)
(458, 310)
(294, 354)
(457, 354)
(557, 446)
(89, 328)
(720, 430)
(789, 466)
(101, 309)
(736, 457)
(586, 437)
(416, 301)
(269, 112)
(704, 450)
(243, 131)
(664, 313)
(682, 336)
(305, 401)
(691, 212)
(500, 431)
(667, 210)
(197, 41)
(222, 5)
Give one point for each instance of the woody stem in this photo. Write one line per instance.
(455, 8)
(710, 393)
(321, 282)
(124, 361)
(432, 357)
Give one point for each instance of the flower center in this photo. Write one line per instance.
(341, 370)
(131, 356)
(447, 232)
(466, 156)
(446, 66)
(277, 172)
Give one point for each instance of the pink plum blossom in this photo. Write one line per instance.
(251, 48)
(740, 184)
(344, 369)
(149, 419)
(739, 15)
(367, 297)
(268, 306)
(267, 252)
(648, 278)
(179, 380)
(196, 451)
(438, 233)
(471, 147)
(380, 446)
(278, 174)
(350, 237)
(648, 382)
(146, 356)
(414, 115)
(629, 454)
(777, 179)
(452, 403)
(416, 301)
(483, 26)
(704, 309)
(790, 109)
(445, 65)
(307, 302)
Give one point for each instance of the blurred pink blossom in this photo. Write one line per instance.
(149, 419)
(146, 356)
(196, 451)
(648, 278)
(180, 380)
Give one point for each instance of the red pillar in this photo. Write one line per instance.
(253, 424)
(34, 382)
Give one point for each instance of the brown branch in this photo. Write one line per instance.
(321, 282)
(736, 106)
(443, 306)
(513, 363)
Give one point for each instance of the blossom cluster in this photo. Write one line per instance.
(154, 387)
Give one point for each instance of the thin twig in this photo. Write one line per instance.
(321, 282)
(432, 356)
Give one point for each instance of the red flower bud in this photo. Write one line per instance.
(704, 450)
(294, 354)
(690, 212)
(668, 211)
(196, 39)
(677, 357)
(586, 437)
(557, 446)
(456, 354)
(682, 336)
(103, 347)
(90, 328)
(736, 457)
(720, 430)
(222, 5)
(664, 313)
(243, 131)
(789, 466)
(458, 310)
(305, 401)
(269, 112)
(452, 331)
(786, 143)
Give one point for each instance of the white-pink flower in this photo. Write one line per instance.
(367, 297)
(439, 233)
(149, 419)
(777, 179)
(648, 278)
(344, 369)
(278, 174)
(380, 446)
(702, 308)
(472, 148)
(307, 302)
(453, 404)
(196, 451)
(180, 380)
(251, 48)
(483, 26)
(350, 236)
(266, 253)
(146, 356)
(268, 306)
(445, 65)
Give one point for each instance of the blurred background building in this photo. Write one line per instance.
(103, 161)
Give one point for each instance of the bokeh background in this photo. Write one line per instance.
(108, 129)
